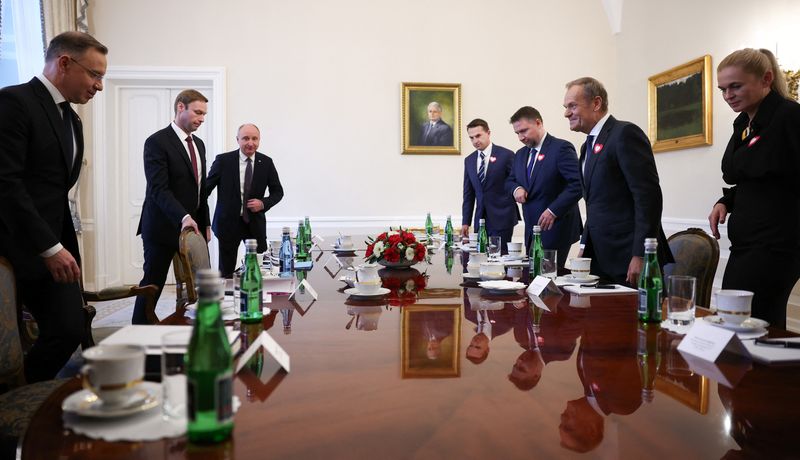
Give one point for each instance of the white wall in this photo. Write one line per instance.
(322, 80)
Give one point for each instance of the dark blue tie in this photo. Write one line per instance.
(587, 151)
(66, 114)
(248, 181)
(531, 161)
(482, 168)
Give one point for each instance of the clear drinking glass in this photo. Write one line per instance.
(173, 373)
(680, 303)
(550, 264)
(495, 247)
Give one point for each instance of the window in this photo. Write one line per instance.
(21, 41)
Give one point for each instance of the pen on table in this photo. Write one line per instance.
(777, 343)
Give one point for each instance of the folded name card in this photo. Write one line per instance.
(270, 346)
(708, 342)
(541, 287)
(304, 284)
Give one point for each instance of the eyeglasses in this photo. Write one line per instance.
(96, 76)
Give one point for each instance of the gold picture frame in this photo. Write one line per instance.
(420, 135)
(679, 102)
(430, 340)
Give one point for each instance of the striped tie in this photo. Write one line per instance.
(482, 168)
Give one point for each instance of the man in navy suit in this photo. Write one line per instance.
(175, 169)
(485, 173)
(242, 178)
(546, 181)
(435, 131)
(41, 150)
(620, 186)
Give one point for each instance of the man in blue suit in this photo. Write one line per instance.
(620, 186)
(242, 178)
(435, 131)
(485, 173)
(546, 181)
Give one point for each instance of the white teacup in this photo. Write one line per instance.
(368, 287)
(733, 305)
(475, 261)
(113, 372)
(580, 266)
(344, 242)
(514, 247)
(473, 238)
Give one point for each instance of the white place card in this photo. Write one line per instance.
(271, 346)
(708, 342)
(728, 373)
(542, 285)
(308, 287)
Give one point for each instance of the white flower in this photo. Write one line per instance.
(378, 249)
(393, 232)
(410, 285)
(410, 253)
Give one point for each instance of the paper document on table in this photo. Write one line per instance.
(773, 354)
(618, 289)
(149, 336)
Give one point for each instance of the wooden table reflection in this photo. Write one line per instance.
(436, 369)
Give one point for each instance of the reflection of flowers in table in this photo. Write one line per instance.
(395, 247)
(403, 285)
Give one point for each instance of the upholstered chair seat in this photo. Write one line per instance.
(696, 254)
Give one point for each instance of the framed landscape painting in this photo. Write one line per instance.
(679, 103)
(431, 118)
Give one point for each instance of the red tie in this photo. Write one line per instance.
(194, 158)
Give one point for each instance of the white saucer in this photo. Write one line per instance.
(356, 293)
(468, 276)
(573, 279)
(343, 250)
(748, 325)
(86, 403)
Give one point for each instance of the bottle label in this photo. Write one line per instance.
(224, 400)
(649, 306)
(191, 406)
(243, 298)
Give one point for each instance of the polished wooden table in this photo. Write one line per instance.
(408, 377)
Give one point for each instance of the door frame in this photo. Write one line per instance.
(107, 218)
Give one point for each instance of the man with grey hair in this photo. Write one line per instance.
(247, 186)
(620, 186)
(435, 132)
(41, 151)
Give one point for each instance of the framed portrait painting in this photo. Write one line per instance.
(679, 101)
(431, 114)
(430, 340)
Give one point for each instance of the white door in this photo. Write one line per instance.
(131, 111)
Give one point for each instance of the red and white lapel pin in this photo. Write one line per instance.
(753, 140)
(597, 148)
(492, 159)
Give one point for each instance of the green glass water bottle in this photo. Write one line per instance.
(251, 300)
(448, 233)
(537, 252)
(302, 251)
(429, 228)
(483, 238)
(649, 358)
(209, 367)
(307, 227)
(651, 284)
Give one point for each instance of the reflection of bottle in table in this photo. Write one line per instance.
(287, 320)
(448, 260)
(649, 358)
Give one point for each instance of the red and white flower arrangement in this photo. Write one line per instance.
(394, 247)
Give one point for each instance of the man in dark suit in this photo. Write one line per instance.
(175, 169)
(41, 150)
(435, 132)
(242, 178)
(546, 181)
(620, 186)
(485, 173)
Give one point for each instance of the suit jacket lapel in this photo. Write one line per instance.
(472, 171)
(78, 161)
(177, 145)
(54, 116)
(539, 163)
(593, 156)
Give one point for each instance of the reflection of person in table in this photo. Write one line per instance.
(762, 163)
(527, 370)
(489, 324)
(435, 327)
(435, 131)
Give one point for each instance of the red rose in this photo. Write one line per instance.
(382, 237)
(391, 283)
(391, 254)
(369, 250)
(421, 282)
(394, 239)
(419, 253)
